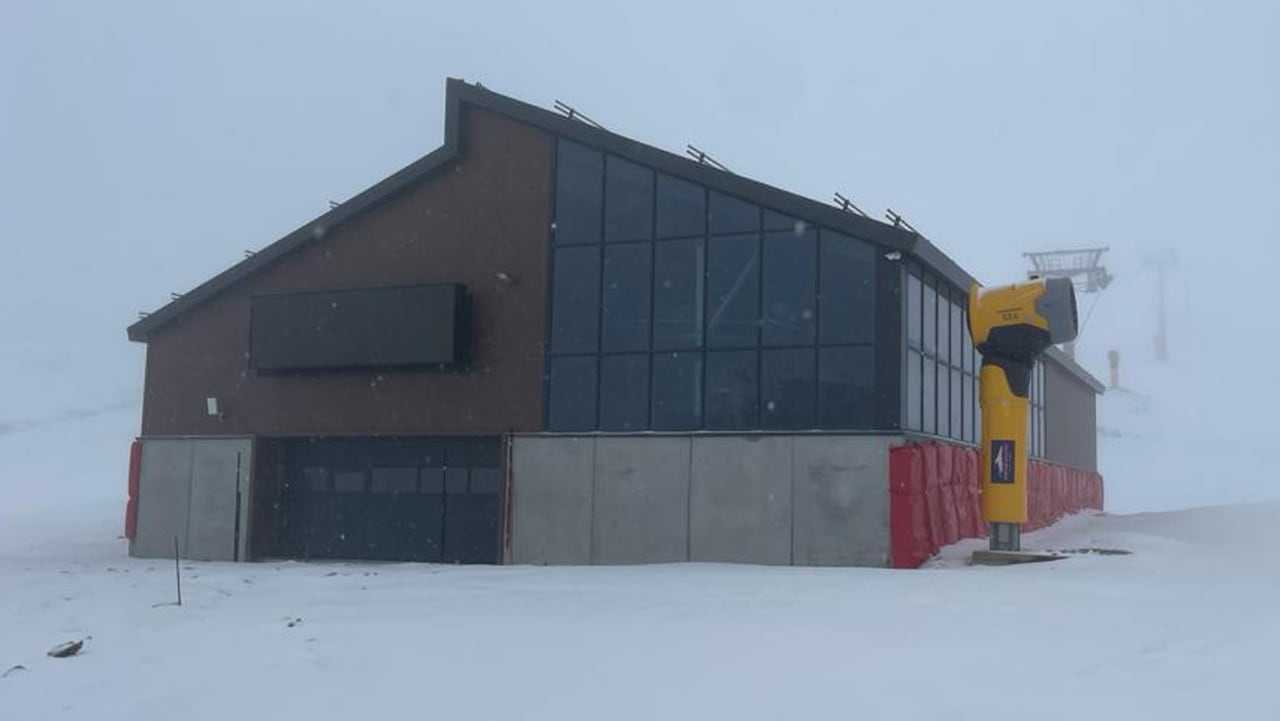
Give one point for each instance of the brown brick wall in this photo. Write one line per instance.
(488, 211)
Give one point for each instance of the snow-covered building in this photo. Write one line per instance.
(547, 343)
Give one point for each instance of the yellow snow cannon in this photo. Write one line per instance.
(1011, 327)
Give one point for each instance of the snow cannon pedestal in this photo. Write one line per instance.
(1011, 558)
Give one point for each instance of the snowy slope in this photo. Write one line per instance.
(1174, 438)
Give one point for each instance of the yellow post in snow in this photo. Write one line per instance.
(1011, 326)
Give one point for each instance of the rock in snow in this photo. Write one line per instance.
(63, 650)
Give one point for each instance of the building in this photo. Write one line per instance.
(547, 343)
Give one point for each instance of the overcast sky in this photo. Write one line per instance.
(145, 146)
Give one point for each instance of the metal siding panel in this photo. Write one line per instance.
(1071, 430)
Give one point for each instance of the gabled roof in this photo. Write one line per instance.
(459, 93)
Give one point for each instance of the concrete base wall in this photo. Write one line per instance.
(768, 499)
(740, 500)
(640, 509)
(195, 491)
(551, 502)
(841, 514)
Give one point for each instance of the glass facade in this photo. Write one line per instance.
(1035, 415)
(941, 366)
(676, 307)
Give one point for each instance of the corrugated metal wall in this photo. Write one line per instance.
(1071, 420)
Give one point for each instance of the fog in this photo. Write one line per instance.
(145, 146)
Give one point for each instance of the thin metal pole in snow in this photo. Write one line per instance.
(177, 570)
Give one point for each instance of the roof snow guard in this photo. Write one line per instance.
(459, 93)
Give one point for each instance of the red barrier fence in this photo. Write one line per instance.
(131, 508)
(934, 498)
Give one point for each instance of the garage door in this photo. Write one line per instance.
(395, 499)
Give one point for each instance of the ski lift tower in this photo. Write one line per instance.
(1161, 260)
(1083, 266)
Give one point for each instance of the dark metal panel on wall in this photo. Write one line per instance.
(379, 327)
(482, 222)
(1071, 419)
(265, 501)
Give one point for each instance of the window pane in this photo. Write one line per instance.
(787, 389)
(968, 351)
(1033, 395)
(733, 291)
(316, 478)
(1040, 383)
(348, 481)
(682, 208)
(624, 392)
(977, 417)
(913, 382)
(944, 326)
(1042, 435)
(777, 221)
(846, 377)
(579, 193)
(848, 283)
(403, 479)
(929, 334)
(628, 205)
(432, 481)
(914, 302)
(732, 390)
(730, 215)
(677, 391)
(626, 297)
(575, 302)
(486, 481)
(1031, 388)
(968, 409)
(957, 335)
(929, 396)
(677, 294)
(957, 404)
(789, 286)
(572, 395)
(1031, 432)
(455, 481)
(944, 400)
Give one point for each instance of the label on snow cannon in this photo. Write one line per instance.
(1002, 461)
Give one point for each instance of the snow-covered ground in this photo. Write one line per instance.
(1186, 627)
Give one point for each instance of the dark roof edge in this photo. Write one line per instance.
(1069, 364)
(459, 92)
(937, 261)
(755, 191)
